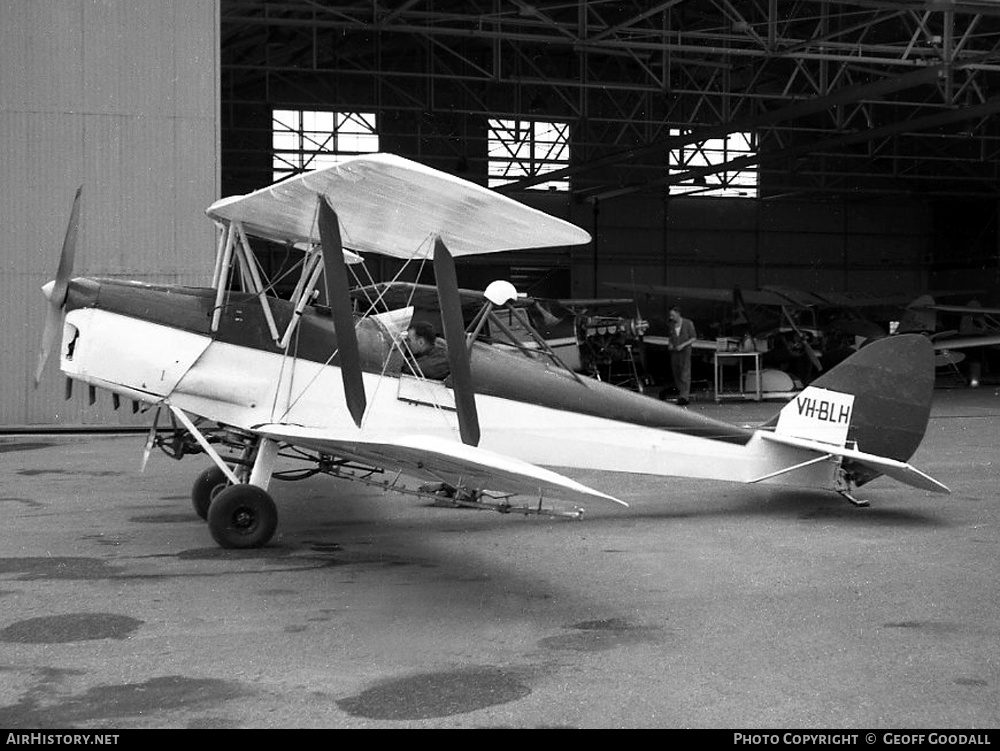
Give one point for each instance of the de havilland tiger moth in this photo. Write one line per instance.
(247, 377)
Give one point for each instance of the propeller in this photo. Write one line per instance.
(55, 291)
(740, 316)
(458, 349)
(639, 326)
(803, 340)
(338, 295)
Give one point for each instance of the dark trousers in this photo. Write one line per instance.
(680, 365)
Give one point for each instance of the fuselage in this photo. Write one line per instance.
(154, 343)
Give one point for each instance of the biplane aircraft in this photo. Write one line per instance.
(977, 327)
(248, 378)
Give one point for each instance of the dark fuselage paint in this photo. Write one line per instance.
(495, 371)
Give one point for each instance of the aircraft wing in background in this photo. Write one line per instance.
(767, 296)
(978, 327)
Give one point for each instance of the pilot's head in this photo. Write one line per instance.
(420, 337)
(675, 315)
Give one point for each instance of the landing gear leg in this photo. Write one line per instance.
(263, 463)
(244, 516)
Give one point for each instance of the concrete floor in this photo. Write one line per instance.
(702, 605)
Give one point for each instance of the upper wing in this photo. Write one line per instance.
(440, 459)
(966, 309)
(768, 295)
(964, 342)
(805, 298)
(390, 205)
(660, 290)
(711, 294)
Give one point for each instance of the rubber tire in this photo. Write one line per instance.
(209, 484)
(242, 516)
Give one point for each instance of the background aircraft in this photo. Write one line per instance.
(598, 337)
(960, 333)
(807, 332)
(253, 380)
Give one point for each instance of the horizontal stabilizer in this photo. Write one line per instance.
(440, 459)
(901, 471)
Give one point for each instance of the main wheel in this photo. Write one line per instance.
(209, 484)
(242, 516)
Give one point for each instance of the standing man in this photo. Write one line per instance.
(682, 336)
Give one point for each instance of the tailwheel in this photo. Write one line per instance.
(209, 484)
(242, 516)
(845, 486)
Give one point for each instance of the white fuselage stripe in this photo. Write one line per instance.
(240, 386)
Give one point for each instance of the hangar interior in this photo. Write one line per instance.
(829, 145)
(868, 152)
(872, 128)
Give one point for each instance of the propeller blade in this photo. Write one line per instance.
(68, 255)
(56, 290)
(813, 357)
(458, 351)
(810, 352)
(53, 327)
(740, 316)
(338, 295)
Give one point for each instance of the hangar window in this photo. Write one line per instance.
(526, 148)
(733, 182)
(305, 140)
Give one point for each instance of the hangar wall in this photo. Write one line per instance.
(862, 248)
(121, 97)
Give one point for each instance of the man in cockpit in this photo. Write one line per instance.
(427, 357)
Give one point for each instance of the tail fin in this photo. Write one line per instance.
(879, 399)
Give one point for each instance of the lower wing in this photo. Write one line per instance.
(428, 457)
